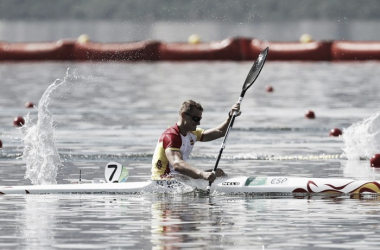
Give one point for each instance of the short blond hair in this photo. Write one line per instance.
(190, 105)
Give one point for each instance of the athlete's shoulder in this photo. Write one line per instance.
(172, 130)
(198, 133)
(171, 137)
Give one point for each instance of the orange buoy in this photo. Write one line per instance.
(29, 105)
(18, 121)
(375, 161)
(335, 132)
(310, 114)
(269, 88)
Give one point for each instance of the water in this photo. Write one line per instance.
(116, 111)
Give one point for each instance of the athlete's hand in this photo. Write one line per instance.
(220, 173)
(208, 176)
(235, 108)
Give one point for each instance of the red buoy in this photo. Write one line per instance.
(29, 105)
(269, 88)
(1, 144)
(310, 114)
(375, 161)
(335, 132)
(18, 121)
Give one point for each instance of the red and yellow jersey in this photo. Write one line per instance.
(172, 139)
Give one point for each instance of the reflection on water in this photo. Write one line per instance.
(188, 221)
(37, 220)
(260, 223)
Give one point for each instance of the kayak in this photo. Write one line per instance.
(259, 185)
(116, 181)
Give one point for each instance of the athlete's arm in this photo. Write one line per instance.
(179, 165)
(220, 131)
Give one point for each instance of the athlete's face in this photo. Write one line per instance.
(192, 119)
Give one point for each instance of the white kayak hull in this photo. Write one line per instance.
(251, 185)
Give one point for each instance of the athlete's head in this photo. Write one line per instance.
(190, 115)
(190, 105)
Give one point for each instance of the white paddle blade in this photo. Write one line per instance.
(112, 172)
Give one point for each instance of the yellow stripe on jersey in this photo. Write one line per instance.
(198, 133)
(159, 162)
(175, 149)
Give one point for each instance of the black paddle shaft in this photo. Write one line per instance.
(252, 76)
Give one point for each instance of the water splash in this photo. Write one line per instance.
(362, 139)
(40, 153)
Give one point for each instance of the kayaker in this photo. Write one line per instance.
(176, 143)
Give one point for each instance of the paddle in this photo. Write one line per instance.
(252, 75)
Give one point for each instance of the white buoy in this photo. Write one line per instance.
(84, 38)
(306, 38)
(194, 39)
